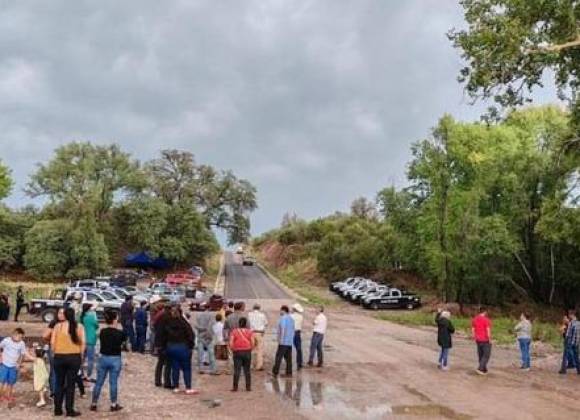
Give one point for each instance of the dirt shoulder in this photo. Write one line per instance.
(373, 369)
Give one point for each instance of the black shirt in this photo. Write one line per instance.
(111, 341)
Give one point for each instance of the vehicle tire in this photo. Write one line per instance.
(410, 306)
(48, 315)
(375, 306)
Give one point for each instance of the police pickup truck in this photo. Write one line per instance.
(392, 299)
(47, 309)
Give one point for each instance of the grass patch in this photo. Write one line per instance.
(31, 290)
(502, 331)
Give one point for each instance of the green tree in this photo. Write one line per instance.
(509, 46)
(5, 181)
(48, 248)
(219, 196)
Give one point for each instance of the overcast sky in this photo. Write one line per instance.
(314, 102)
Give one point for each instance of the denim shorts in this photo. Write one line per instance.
(8, 375)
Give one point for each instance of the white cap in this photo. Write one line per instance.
(298, 308)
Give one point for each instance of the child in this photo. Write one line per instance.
(40, 374)
(13, 352)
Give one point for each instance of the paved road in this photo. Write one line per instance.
(249, 282)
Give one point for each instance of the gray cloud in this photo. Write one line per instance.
(315, 102)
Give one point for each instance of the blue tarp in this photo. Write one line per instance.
(144, 260)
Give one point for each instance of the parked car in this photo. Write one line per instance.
(166, 291)
(215, 302)
(182, 279)
(361, 285)
(89, 284)
(335, 286)
(347, 286)
(47, 309)
(240, 250)
(368, 290)
(392, 299)
(373, 292)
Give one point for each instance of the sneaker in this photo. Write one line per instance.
(73, 414)
(445, 368)
(41, 404)
(176, 391)
(526, 369)
(480, 372)
(191, 392)
(116, 407)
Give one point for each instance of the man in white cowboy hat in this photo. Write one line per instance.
(297, 311)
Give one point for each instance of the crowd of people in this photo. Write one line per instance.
(78, 351)
(481, 331)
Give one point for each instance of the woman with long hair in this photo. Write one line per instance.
(91, 325)
(110, 362)
(68, 345)
(242, 342)
(178, 339)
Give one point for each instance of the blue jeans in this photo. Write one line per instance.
(525, 344)
(180, 358)
(129, 331)
(90, 356)
(316, 347)
(141, 338)
(444, 356)
(570, 352)
(201, 349)
(298, 347)
(51, 374)
(107, 365)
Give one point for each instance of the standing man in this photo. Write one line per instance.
(258, 324)
(285, 341)
(205, 340)
(571, 344)
(127, 322)
(20, 303)
(141, 324)
(297, 312)
(318, 332)
(481, 331)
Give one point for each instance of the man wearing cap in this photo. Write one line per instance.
(258, 324)
(297, 312)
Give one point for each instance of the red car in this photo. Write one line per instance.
(183, 279)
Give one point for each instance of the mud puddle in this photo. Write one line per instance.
(321, 400)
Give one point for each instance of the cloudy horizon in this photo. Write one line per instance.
(314, 102)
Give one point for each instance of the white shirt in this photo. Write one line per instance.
(298, 318)
(12, 351)
(218, 332)
(258, 321)
(320, 323)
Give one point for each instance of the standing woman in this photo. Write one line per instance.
(445, 330)
(177, 339)
(524, 334)
(242, 344)
(91, 325)
(110, 362)
(68, 345)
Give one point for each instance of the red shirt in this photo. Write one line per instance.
(481, 325)
(241, 339)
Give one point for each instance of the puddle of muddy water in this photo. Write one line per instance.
(330, 401)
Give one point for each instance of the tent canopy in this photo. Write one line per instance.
(144, 260)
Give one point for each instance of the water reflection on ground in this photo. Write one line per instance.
(320, 400)
(316, 397)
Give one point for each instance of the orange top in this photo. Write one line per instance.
(61, 341)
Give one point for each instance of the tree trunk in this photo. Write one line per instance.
(553, 272)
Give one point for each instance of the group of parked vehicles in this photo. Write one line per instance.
(109, 293)
(373, 295)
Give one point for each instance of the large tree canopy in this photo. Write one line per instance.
(509, 46)
(5, 181)
(222, 199)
